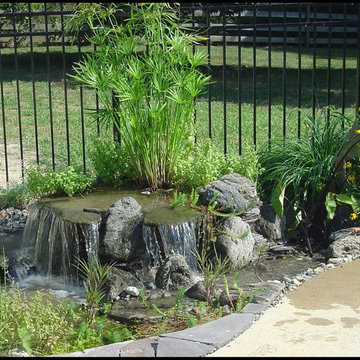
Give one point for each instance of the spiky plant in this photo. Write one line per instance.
(145, 63)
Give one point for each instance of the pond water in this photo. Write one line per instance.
(157, 211)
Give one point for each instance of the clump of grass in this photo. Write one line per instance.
(303, 166)
(94, 275)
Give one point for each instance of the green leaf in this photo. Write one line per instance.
(355, 204)
(330, 205)
(26, 339)
(277, 199)
(346, 199)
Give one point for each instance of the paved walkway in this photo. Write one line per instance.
(320, 318)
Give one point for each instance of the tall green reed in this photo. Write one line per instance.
(147, 76)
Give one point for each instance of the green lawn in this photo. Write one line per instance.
(58, 117)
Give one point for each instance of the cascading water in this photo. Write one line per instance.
(162, 240)
(58, 231)
(54, 242)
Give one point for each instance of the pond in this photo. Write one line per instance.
(165, 230)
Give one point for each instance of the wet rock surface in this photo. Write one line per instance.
(269, 224)
(173, 273)
(119, 280)
(123, 231)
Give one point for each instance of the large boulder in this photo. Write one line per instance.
(228, 198)
(119, 280)
(174, 273)
(235, 241)
(344, 242)
(243, 185)
(247, 189)
(122, 240)
(269, 225)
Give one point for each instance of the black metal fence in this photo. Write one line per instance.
(271, 63)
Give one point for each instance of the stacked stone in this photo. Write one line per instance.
(12, 220)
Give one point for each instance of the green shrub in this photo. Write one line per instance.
(303, 166)
(48, 182)
(17, 196)
(111, 162)
(307, 178)
(205, 163)
(32, 323)
(94, 275)
(41, 326)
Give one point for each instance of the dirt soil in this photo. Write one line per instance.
(14, 164)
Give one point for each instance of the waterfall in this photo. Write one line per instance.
(61, 230)
(55, 242)
(162, 240)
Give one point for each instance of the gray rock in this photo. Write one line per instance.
(225, 300)
(173, 273)
(10, 210)
(269, 224)
(228, 198)
(140, 348)
(120, 280)
(197, 291)
(247, 189)
(134, 311)
(17, 353)
(343, 243)
(266, 292)
(242, 184)
(132, 291)
(123, 232)
(235, 241)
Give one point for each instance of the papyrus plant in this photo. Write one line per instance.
(147, 63)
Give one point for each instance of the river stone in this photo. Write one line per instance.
(269, 225)
(197, 291)
(173, 273)
(235, 241)
(123, 239)
(119, 280)
(133, 311)
(132, 291)
(343, 243)
(228, 199)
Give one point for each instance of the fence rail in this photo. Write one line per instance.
(272, 63)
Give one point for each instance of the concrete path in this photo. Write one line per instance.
(320, 318)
